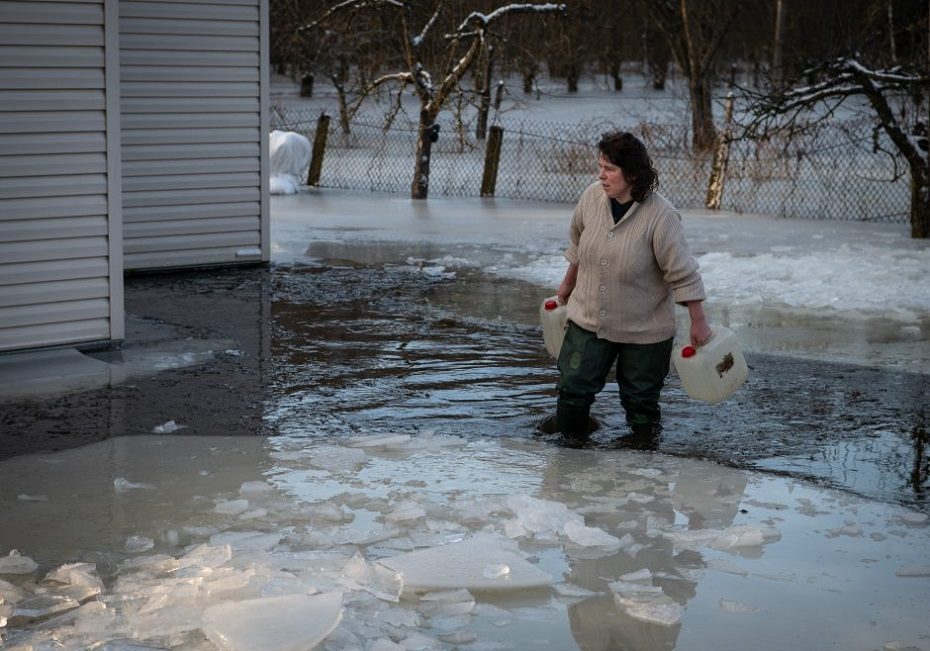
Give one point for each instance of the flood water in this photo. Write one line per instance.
(398, 401)
(462, 354)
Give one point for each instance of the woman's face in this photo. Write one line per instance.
(613, 181)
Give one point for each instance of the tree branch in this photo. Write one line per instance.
(476, 20)
(348, 5)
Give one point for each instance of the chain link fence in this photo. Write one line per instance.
(840, 171)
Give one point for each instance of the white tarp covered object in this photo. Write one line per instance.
(290, 157)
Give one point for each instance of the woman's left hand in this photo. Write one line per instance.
(700, 333)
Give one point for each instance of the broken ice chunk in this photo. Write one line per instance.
(9, 593)
(462, 565)
(230, 582)
(586, 536)
(203, 556)
(737, 536)
(255, 487)
(375, 579)
(419, 642)
(639, 576)
(570, 590)
(122, 485)
(538, 516)
(232, 507)
(337, 458)
(167, 428)
(378, 440)
(385, 644)
(22, 497)
(246, 540)
(77, 574)
(155, 564)
(913, 571)
(42, 605)
(405, 512)
(730, 606)
(16, 563)
(646, 603)
(459, 637)
(447, 603)
(288, 623)
(136, 544)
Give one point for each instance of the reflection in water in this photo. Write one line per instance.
(640, 591)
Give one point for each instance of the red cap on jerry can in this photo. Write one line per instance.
(688, 351)
(551, 304)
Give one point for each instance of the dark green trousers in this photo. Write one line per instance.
(584, 363)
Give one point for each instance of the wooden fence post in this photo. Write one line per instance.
(319, 149)
(492, 159)
(718, 173)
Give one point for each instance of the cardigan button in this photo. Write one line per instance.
(603, 262)
(603, 288)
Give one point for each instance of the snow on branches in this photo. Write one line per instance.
(477, 20)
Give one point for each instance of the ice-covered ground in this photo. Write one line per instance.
(387, 542)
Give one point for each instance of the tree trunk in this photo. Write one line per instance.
(528, 70)
(920, 202)
(658, 70)
(426, 135)
(486, 68)
(572, 76)
(778, 41)
(704, 135)
(343, 109)
(615, 74)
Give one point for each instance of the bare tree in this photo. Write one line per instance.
(694, 31)
(461, 47)
(888, 92)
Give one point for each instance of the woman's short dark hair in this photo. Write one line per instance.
(627, 152)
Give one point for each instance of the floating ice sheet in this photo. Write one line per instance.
(288, 623)
(464, 564)
(16, 563)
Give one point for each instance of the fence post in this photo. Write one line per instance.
(319, 149)
(718, 173)
(492, 159)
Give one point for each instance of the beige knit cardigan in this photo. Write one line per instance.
(631, 273)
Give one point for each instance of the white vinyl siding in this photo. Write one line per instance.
(60, 222)
(193, 88)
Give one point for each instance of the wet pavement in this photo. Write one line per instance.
(367, 338)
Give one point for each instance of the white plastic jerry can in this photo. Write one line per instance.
(714, 371)
(553, 316)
